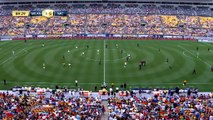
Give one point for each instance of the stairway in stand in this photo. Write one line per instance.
(106, 114)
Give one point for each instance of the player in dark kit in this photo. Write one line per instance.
(100, 62)
(95, 88)
(121, 51)
(167, 60)
(140, 66)
(127, 58)
(5, 82)
(194, 71)
(124, 85)
(138, 45)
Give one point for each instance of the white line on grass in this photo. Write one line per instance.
(195, 56)
(107, 60)
(13, 56)
(87, 58)
(104, 64)
(48, 83)
(185, 54)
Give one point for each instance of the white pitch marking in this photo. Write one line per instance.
(114, 83)
(12, 56)
(195, 56)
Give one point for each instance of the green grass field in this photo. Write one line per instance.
(25, 67)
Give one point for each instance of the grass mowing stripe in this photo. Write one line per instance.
(73, 66)
(95, 66)
(148, 49)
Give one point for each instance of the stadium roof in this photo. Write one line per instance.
(197, 1)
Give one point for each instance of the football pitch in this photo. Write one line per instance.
(47, 63)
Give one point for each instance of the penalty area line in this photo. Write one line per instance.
(186, 50)
(13, 56)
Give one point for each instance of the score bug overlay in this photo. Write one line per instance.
(46, 13)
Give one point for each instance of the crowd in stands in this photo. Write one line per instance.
(111, 19)
(161, 106)
(122, 105)
(56, 106)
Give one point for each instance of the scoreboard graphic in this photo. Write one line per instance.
(46, 13)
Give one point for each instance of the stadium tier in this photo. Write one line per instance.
(111, 19)
(72, 105)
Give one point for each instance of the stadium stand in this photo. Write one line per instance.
(55, 106)
(111, 19)
(40, 103)
(161, 107)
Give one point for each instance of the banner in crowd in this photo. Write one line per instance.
(96, 35)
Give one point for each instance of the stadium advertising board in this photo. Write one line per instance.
(205, 39)
(143, 35)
